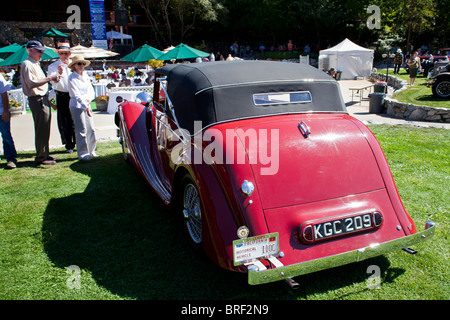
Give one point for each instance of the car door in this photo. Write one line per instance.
(168, 139)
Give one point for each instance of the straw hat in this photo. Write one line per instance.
(79, 58)
(62, 46)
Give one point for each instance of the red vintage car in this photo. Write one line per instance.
(269, 172)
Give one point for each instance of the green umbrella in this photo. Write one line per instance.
(143, 53)
(183, 51)
(52, 32)
(5, 52)
(11, 48)
(20, 55)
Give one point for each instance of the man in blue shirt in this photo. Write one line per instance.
(9, 150)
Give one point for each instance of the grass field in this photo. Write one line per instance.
(419, 93)
(94, 230)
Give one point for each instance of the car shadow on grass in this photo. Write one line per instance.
(119, 231)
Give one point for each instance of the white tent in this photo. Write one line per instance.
(349, 58)
(116, 35)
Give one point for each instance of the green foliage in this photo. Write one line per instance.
(317, 22)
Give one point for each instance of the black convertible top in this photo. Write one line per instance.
(214, 92)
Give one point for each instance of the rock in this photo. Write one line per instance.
(433, 118)
(418, 114)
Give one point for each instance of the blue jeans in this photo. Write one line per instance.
(9, 150)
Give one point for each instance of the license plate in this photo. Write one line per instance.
(317, 231)
(249, 249)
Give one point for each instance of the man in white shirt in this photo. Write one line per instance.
(65, 122)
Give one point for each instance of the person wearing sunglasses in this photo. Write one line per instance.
(65, 122)
(35, 87)
(81, 94)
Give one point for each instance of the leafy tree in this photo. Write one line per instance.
(168, 15)
(419, 15)
(321, 18)
(155, 10)
(403, 22)
(442, 27)
(187, 11)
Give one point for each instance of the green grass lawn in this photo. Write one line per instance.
(103, 218)
(419, 93)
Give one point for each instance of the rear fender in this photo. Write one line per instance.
(226, 208)
(404, 218)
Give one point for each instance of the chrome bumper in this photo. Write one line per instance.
(284, 272)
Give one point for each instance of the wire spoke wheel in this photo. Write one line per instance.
(192, 213)
(443, 89)
(123, 142)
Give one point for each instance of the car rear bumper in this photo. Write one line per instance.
(284, 272)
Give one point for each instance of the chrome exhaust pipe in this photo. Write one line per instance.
(292, 283)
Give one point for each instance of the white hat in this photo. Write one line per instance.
(77, 59)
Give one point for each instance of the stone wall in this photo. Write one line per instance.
(10, 31)
(397, 83)
(409, 111)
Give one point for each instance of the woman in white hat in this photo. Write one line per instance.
(81, 94)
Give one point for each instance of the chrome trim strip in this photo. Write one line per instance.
(271, 275)
(276, 81)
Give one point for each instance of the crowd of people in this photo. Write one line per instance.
(74, 93)
(412, 62)
(247, 51)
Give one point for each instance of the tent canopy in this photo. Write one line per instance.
(116, 35)
(349, 58)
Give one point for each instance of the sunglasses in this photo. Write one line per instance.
(81, 64)
(65, 53)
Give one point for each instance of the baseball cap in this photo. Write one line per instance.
(35, 45)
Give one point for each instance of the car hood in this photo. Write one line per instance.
(290, 167)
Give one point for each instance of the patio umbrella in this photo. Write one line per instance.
(143, 53)
(20, 55)
(11, 48)
(53, 33)
(183, 51)
(92, 52)
(5, 52)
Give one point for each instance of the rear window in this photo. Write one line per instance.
(264, 99)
